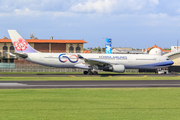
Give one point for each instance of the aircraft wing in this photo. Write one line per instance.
(93, 62)
(83, 66)
(22, 55)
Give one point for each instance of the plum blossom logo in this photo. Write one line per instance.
(20, 45)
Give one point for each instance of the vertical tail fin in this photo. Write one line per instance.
(20, 44)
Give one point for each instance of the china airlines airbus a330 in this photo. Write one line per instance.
(90, 62)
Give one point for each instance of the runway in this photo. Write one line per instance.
(82, 75)
(88, 84)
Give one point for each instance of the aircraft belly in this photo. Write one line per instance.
(141, 65)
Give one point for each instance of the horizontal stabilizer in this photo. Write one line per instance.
(22, 55)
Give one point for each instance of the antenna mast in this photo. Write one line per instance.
(32, 35)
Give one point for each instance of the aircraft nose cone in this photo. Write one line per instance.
(171, 62)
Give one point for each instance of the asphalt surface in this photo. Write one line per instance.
(88, 84)
(82, 75)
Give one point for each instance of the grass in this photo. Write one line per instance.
(34, 73)
(90, 104)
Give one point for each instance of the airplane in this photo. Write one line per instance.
(90, 62)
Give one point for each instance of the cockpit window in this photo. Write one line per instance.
(167, 59)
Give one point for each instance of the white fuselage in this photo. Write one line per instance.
(111, 62)
(130, 61)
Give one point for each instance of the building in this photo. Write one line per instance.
(42, 45)
(175, 48)
(155, 46)
(125, 48)
(122, 51)
(174, 57)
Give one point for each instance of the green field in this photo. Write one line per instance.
(90, 104)
(72, 76)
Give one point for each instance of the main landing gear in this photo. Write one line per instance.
(89, 72)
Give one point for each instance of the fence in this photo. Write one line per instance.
(25, 66)
(32, 67)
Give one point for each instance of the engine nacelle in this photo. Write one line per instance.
(115, 68)
(118, 68)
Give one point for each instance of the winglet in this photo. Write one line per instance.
(80, 57)
(20, 44)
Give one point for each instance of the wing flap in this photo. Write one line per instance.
(83, 66)
(96, 62)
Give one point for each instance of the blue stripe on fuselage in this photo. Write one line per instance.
(160, 64)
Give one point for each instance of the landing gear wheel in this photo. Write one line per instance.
(85, 72)
(156, 71)
(95, 73)
(90, 73)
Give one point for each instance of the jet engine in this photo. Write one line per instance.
(115, 68)
(118, 68)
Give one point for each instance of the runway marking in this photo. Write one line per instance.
(111, 85)
(104, 85)
(12, 84)
(99, 85)
(72, 76)
(145, 76)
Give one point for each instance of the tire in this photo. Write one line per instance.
(90, 73)
(95, 73)
(85, 72)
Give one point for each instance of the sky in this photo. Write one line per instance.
(129, 23)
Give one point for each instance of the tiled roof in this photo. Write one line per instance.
(155, 46)
(87, 51)
(45, 41)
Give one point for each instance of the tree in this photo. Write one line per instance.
(84, 49)
(98, 49)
